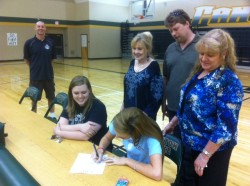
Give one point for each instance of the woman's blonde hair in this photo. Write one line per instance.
(146, 38)
(134, 122)
(220, 42)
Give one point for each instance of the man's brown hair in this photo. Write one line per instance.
(177, 16)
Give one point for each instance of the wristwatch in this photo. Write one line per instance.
(204, 151)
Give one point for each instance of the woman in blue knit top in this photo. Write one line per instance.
(208, 112)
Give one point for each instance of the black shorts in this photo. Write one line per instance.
(47, 85)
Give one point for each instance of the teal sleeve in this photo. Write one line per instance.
(154, 146)
(111, 128)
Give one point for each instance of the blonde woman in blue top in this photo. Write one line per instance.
(208, 112)
(142, 138)
(143, 82)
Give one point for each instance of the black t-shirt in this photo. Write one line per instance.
(40, 54)
(97, 114)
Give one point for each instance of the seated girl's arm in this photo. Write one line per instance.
(104, 143)
(152, 170)
(58, 128)
(87, 127)
(82, 131)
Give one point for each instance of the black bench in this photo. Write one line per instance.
(12, 173)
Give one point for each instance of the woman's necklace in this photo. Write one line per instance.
(140, 66)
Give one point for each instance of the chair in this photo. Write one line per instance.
(174, 151)
(60, 99)
(33, 93)
(119, 150)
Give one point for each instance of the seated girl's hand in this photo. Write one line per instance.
(115, 160)
(98, 158)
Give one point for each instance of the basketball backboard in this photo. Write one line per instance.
(142, 9)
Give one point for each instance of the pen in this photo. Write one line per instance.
(95, 151)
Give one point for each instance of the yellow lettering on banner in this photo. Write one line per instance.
(208, 15)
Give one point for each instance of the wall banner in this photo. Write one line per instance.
(212, 16)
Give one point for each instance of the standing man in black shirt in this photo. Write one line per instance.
(39, 53)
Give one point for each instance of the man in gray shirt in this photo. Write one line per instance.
(180, 58)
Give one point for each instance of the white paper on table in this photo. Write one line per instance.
(86, 165)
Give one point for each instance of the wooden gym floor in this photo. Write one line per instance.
(106, 77)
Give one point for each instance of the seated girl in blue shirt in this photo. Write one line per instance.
(142, 138)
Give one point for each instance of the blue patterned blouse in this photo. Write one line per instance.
(144, 89)
(210, 110)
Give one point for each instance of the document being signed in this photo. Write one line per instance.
(86, 165)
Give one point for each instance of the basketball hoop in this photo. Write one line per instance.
(138, 17)
(142, 9)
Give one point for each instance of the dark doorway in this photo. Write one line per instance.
(58, 40)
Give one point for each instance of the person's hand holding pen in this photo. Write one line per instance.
(97, 154)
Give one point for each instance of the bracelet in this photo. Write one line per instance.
(204, 151)
(100, 148)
